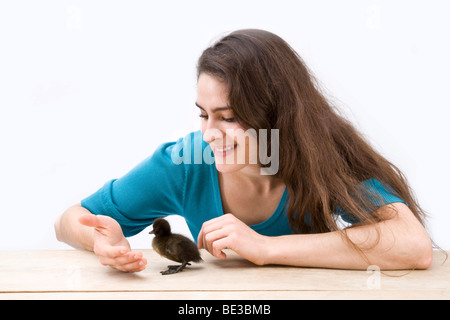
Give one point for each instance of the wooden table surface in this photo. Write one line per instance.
(75, 274)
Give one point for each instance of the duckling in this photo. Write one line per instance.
(175, 247)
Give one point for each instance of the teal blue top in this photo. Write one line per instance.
(178, 179)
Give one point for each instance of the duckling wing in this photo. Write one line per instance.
(182, 249)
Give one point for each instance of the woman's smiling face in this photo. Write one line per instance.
(233, 147)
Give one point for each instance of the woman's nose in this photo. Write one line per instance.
(207, 138)
(212, 134)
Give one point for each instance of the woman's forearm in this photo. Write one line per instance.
(398, 243)
(70, 231)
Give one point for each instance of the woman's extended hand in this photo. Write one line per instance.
(229, 232)
(111, 246)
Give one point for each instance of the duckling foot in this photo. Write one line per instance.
(175, 269)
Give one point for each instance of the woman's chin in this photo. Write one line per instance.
(229, 167)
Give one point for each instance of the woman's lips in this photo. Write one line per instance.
(224, 150)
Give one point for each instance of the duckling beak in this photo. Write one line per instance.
(152, 232)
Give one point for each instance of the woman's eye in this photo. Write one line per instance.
(205, 116)
(228, 119)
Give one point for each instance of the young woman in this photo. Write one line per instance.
(330, 200)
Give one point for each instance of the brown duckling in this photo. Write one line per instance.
(172, 246)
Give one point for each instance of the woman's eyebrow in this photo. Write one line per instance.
(214, 110)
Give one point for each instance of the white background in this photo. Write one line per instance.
(88, 89)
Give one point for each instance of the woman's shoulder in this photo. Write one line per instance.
(377, 192)
(382, 191)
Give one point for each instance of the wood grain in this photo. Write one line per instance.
(75, 274)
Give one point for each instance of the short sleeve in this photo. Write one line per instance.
(152, 189)
(378, 193)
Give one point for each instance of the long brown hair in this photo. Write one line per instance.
(322, 157)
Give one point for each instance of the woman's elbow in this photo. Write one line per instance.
(58, 231)
(415, 242)
(56, 228)
(60, 225)
(424, 254)
(420, 253)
